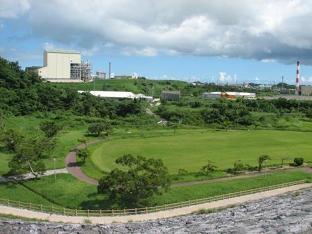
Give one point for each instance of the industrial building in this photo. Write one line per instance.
(64, 66)
(228, 95)
(119, 95)
(170, 95)
(306, 90)
(100, 75)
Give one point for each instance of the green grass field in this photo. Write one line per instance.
(191, 149)
(68, 192)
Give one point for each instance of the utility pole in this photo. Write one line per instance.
(109, 70)
(54, 169)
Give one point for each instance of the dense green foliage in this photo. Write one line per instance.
(139, 179)
(50, 128)
(234, 114)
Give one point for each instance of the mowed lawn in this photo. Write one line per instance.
(192, 150)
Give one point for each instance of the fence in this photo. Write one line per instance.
(112, 212)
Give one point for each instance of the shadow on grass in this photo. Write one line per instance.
(98, 203)
(4, 150)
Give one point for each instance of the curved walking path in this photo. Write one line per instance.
(73, 167)
(151, 216)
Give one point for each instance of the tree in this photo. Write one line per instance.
(298, 161)
(11, 139)
(261, 160)
(49, 128)
(208, 168)
(97, 129)
(83, 154)
(28, 157)
(138, 180)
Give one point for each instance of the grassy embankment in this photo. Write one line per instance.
(68, 192)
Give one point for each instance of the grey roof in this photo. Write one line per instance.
(171, 92)
(60, 51)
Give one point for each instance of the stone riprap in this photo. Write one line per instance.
(289, 213)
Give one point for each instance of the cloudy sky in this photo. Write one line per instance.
(208, 40)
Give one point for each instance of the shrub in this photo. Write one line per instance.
(182, 172)
(298, 162)
(208, 168)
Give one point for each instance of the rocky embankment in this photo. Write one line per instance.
(289, 213)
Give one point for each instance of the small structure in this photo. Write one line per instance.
(306, 90)
(228, 95)
(118, 95)
(170, 95)
(100, 75)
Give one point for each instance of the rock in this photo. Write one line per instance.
(281, 214)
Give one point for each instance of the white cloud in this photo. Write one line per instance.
(306, 80)
(148, 51)
(265, 30)
(226, 78)
(13, 8)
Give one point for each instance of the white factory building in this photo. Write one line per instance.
(118, 95)
(64, 66)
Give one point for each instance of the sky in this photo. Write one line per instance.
(222, 41)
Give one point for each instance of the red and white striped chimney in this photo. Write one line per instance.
(298, 79)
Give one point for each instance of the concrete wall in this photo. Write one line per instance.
(57, 64)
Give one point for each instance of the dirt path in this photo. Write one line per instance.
(152, 216)
(74, 169)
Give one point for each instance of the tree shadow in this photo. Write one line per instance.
(98, 203)
(3, 149)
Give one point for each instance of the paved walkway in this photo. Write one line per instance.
(74, 169)
(152, 216)
(29, 176)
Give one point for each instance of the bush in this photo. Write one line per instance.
(83, 154)
(208, 168)
(298, 162)
(182, 172)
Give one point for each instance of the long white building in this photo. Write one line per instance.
(118, 95)
(64, 66)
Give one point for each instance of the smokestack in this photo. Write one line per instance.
(109, 70)
(298, 79)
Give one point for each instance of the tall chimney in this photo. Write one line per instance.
(298, 79)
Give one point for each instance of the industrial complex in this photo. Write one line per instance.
(67, 66)
(64, 66)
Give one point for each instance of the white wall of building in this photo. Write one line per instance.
(57, 64)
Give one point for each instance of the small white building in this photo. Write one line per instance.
(118, 95)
